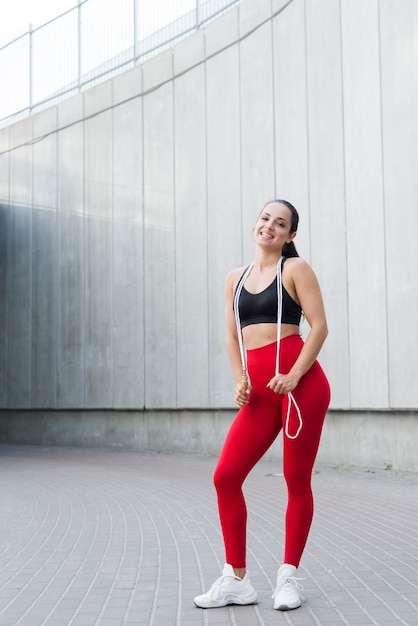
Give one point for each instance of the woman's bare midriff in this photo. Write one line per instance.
(259, 335)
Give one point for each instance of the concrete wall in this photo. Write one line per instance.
(123, 208)
(378, 439)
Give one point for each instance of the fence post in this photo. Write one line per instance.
(30, 33)
(135, 18)
(79, 46)
(197, 13)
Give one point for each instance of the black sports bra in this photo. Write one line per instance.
(261, 308)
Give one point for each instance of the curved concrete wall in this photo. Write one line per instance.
(123, 208)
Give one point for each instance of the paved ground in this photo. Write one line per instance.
(111, 538)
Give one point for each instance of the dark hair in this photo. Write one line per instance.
(289, 249)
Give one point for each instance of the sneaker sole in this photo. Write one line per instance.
(227, 601)
(286, 607)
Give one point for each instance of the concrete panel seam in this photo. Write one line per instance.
(384, 221)
(344, 191)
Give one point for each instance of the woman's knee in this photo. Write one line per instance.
(226, 479)
(298, 482)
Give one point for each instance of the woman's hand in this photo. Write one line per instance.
(241, 394)
(283, 383)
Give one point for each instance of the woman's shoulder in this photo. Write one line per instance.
(296, 264)
(237, 272)
(299, 271)
(233, 277)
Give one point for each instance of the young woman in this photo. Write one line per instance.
(279, 386)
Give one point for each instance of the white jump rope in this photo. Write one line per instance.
(245, 381)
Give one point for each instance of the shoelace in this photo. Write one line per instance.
(281, 582)
(215, 590)
(290, 397)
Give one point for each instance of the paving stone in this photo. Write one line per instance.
(115, 538)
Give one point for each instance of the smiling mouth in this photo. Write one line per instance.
(266, 235)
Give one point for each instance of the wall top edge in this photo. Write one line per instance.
(227, 30)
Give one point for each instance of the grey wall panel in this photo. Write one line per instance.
(189, 52)
(19, 308)
(20, 270)
(21, 176)
(45, 123)
(98, 165)
(157, 71)
(70, 323)
(278, 5)
(98, 98)
(128, 316)
(71, 276)
(4, 139)
(252, 14)
(326, 185)
(44, 309)
(159, 254)
(71, 169)
(44, 267)
(21, 133)
(44, 173)
(4, 166)
(224, 208)
(257, 137)
(71, 110)
(399, 41)
(364, 201)
(127, 162)
(291, 117)
(191, 241)
(98, 345)
(127, 85)
(128, 255)
(220, 34)
(4, 235)
(98, 258)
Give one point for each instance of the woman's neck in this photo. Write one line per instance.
(265, 262)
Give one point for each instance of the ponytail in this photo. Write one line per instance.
(289, 250)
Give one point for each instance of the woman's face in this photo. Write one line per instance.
(272, 229)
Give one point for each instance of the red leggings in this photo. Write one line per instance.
(253, 431)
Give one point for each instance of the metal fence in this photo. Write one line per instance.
(90, 42)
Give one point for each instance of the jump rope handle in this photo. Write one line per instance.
(244, 381)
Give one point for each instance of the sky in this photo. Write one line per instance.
(15, 16)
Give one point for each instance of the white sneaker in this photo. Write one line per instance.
(287, 593)
(228, 589)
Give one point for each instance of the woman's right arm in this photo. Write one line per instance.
(240, 394)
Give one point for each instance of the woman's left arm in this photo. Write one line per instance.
(310, 298)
